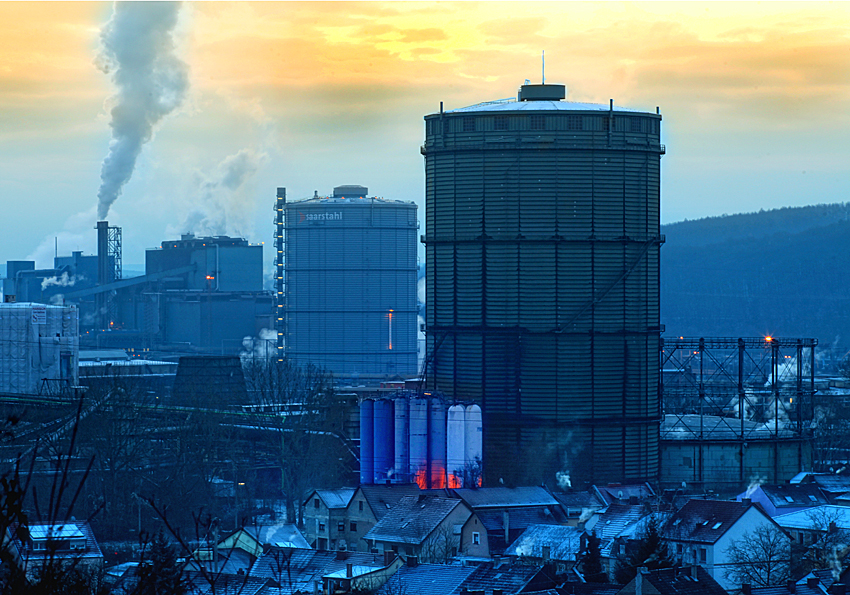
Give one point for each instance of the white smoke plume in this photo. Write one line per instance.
(64, 280)
(259, 349)
(563, 479)
(755, 482)
(221, 204)
(140, 55)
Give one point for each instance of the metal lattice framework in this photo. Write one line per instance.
(737, 388)
(280, 294)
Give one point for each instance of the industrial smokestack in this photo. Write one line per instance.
(139, 54)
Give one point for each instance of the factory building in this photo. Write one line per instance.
(350, 292)
(542, 242)
(39, 348)
(198, 295)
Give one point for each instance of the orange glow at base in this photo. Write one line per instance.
(455, 481)
(421, 479)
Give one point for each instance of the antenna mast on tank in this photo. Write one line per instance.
(543, 59)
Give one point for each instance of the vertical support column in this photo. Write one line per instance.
(742, 397)
(701, 411)
(280, 298)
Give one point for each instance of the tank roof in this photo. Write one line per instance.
(512, 105)
(354, 200)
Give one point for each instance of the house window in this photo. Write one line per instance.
(500, 123)
(321, 527)
(538, 122)
(315, 503)
(340, 527)
(353, 527)
(476, 539)
(703, 555)
(574, 123)
(469, 124)
(360, 505)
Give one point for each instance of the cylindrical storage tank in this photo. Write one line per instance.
(543, 241)
(473, 446)
(384, 439)
(437, 443)
(367, 452)
(455, 446)
(418, 420)
(401, 469)
(351, 269)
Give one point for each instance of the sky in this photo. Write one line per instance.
(755, 100)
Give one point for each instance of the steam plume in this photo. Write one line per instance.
(139, 53)
(221, 203)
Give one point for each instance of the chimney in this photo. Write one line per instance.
(791, 586)
(546, 552)
(746, 502)
(389, 556)
(639, 581)
(838, 589)
(413, 561)
(746, 589)
(694, 570)
(633, 499)
(506, 523)
(832, 527)
(812, 582)
(497, 591)
(349, 570)
(315, 587)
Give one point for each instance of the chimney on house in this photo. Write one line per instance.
(349, 570)
(746, 589)
(506, 523)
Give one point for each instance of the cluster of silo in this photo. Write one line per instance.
(420, 440)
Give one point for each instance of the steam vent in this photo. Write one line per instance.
(542, 243)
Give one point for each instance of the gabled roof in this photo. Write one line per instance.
(617, 491)
(679, 581)
(705, 521)
(225, 583)
(815, 519)
(520, 518)
(427, 579)
(509, 578)
(67, 530)
(500, 497)
(564, 542)
(305, 566)
(571, 588)
(791, 495)
(333, 499)
(586, 499)
(381, 497)
(834, 484)
(413, 519)
(615, 519)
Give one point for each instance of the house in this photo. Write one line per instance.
(325, 526)
(702, 531)
(506, 512)
(578, 506)
(495, 577)
(432, 528)
(615, 526)
(368, 505)
(809, 585)
(785, 498)
(199, 583)
(361, 579)
(71, 543)
(624, 493)
(833, 485)
(693, 580)
(810, 525)
(296, 570)
(540, 544)
(426, 579)
(237, 551)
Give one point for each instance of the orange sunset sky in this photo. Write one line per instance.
(755, 99)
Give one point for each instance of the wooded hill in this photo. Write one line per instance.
(782, 272)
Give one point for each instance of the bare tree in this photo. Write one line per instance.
(310, 416)
(761, 557)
